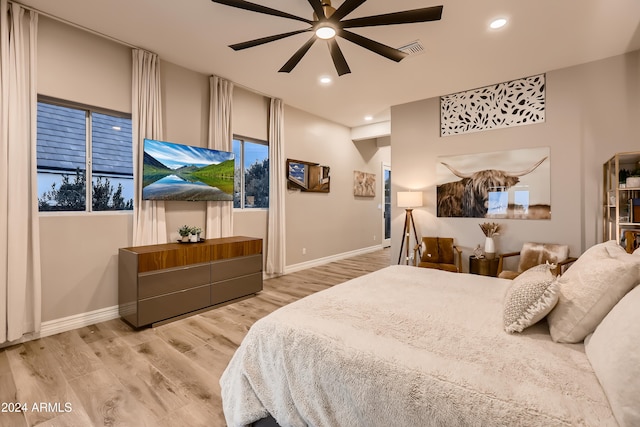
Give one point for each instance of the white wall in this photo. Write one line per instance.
(250, 114)
(77, 66)
(591, 113)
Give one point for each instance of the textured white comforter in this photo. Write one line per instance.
(407, 346)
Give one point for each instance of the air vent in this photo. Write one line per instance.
(413, 48)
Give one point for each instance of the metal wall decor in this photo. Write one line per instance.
(515, 103)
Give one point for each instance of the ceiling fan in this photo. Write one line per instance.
(327, 23)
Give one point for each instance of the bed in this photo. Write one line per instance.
(406, 346)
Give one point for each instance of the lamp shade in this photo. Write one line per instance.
(409, 199)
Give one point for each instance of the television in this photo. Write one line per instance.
(182, 172)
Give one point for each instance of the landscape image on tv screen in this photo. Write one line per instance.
(183, 172)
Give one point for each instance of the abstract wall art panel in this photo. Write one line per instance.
(515, 103)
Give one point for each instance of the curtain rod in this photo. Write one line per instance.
(250, 89)
(78, 26)
(113, 39)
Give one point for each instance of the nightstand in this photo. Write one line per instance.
(483, 266)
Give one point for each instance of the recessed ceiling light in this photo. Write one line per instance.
(498, 23)
(368, 118)
(325, 80)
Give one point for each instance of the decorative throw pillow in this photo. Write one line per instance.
(531, 296)
(589, 290)
(613, 353)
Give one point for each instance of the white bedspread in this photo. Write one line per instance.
(407, 346)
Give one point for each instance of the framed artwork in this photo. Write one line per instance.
(514, 184)
(307, 176)
(364, 184)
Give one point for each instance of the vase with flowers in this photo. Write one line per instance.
(490, 230)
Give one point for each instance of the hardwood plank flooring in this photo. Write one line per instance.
(110, 374)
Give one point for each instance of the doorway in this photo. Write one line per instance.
(386, 209)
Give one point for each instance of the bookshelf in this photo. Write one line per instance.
(621, 200)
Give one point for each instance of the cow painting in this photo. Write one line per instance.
(470, 195)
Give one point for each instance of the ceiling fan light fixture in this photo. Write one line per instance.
(498, 23)
(328, 23)
(325, 32)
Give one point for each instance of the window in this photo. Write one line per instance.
(77, 145)
(251, 186)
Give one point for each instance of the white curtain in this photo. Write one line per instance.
(275, 261)
(219, 220)
(20, 297)
(149, 223)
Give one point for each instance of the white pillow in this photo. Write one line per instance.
(589, 290)
(531, 296)
(613, 350)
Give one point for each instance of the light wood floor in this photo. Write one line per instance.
(109, 374)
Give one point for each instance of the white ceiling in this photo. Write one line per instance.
(461, 52)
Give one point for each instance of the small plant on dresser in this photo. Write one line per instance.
(184, 232)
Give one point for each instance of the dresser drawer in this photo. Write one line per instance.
(162, 282)
(163, 307)
(235, 288)
(241, 266)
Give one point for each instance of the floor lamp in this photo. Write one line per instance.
(409, 200)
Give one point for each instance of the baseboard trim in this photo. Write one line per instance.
(76, 321)
(321, 261)
(68, 323)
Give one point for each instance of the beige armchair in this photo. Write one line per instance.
(533, 254)
(440, 253)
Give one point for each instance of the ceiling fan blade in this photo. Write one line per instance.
(338, 58)
(293, 61)
(317, 8)
(241, 4)
(346, 8)
(373, 46)
(407, 17)
(263, 40)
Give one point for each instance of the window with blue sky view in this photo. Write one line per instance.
(251, 186)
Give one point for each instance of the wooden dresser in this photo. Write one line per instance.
(159, 282)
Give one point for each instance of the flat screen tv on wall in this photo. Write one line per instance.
(183, 172)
